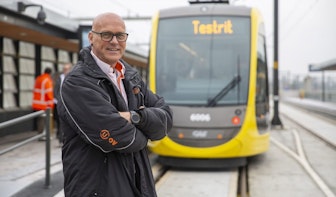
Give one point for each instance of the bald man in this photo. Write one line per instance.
(106, 123)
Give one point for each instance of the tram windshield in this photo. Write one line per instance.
(198, 56)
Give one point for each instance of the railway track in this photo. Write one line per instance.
(200, 182)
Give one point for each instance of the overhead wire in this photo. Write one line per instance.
(293, 10)
(291, 28)
(299, 20)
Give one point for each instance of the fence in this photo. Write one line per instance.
(46, 133)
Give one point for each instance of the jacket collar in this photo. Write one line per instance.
(94, 70)
(86, 57)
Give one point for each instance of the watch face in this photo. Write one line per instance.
(135, 117)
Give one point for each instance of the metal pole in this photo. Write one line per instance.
(276, 119)
(20, 119)
(21, 144)
(47, 128)
(323, 87)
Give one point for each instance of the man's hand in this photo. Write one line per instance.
(126, 115)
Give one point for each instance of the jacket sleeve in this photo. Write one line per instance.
(90, 114)
(156, 117)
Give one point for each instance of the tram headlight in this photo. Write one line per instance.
(235, 120)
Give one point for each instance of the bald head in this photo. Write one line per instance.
(102, 19)
(108, 50)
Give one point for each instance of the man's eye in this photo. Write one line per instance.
(106, 35)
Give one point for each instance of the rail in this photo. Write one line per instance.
(45, 133)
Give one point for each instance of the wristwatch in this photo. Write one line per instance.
(135, 117)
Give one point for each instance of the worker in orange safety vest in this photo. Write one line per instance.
(43, 96)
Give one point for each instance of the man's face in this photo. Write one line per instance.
(108, 51)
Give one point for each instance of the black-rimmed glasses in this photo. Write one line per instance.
(108, 36)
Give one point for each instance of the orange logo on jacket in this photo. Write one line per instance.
(105, 135)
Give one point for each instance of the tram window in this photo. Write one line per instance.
(261, 86)
(200, 63)
(261, 98)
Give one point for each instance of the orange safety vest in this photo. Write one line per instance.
(43, 95)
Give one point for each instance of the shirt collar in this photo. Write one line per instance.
(106, 68)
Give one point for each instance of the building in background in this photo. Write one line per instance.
(28, 45)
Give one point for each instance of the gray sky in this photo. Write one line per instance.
(307, 27)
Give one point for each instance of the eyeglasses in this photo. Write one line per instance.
(108, 36)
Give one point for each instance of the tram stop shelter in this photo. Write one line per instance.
(329, 65)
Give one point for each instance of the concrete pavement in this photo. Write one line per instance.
(22, 171)
(26, 164)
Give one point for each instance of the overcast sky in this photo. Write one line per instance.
(307, 27)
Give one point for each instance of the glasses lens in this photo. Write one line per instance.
(106, 36)
(121, 36)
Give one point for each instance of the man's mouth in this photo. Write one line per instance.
(112, 49)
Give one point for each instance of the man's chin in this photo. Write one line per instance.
(113, 60)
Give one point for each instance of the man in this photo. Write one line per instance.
(43, 96)
(59, 81)
(107, 115)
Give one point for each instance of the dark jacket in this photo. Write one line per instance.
(103, 154)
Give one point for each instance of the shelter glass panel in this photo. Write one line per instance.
(9, 47)
(63, 56)
(9, 100)
(48, 53)
(27, 66)
(9, 65)
(26, 49)
(9, 83)
(46, 64)
(26, 99)
(26, 83)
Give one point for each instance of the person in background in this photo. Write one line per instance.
(58, 83)
(43, 96)
(107, 116)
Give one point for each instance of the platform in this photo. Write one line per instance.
(22, 171)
